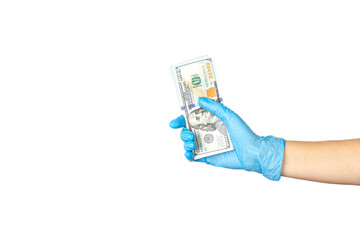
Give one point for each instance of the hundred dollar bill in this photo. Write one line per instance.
(193, 79)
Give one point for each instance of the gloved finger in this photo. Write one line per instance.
(189, 155)
(179, 122)
(190, 145)
(186, 135)
(218, 109)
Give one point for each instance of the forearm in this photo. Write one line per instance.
(329, 161)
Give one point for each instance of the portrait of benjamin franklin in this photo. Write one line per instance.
(205, 121)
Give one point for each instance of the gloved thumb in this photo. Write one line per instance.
(218, 109)
(233, 122)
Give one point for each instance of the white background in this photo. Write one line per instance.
(86, 98)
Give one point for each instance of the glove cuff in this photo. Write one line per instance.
(271, 157)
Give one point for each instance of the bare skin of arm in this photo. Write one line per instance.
(329, 161)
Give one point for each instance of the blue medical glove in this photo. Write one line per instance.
(251, 152)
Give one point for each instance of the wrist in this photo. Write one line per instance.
(271, 156)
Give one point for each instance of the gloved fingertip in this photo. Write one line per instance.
(203, 100)
(210, 105)
(189, 155)
(178, 122)
(186, 135)
(190, 145)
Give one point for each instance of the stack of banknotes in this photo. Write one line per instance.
(193, 79)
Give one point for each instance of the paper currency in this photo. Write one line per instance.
(194, 79)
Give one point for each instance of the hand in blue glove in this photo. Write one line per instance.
(251, 152)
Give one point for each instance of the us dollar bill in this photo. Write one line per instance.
(193, 79)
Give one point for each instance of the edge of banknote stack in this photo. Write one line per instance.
(193, 79)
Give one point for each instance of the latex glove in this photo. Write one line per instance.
(251, 152)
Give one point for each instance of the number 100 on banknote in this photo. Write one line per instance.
(193, 79)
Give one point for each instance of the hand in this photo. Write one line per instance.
(251, 152)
